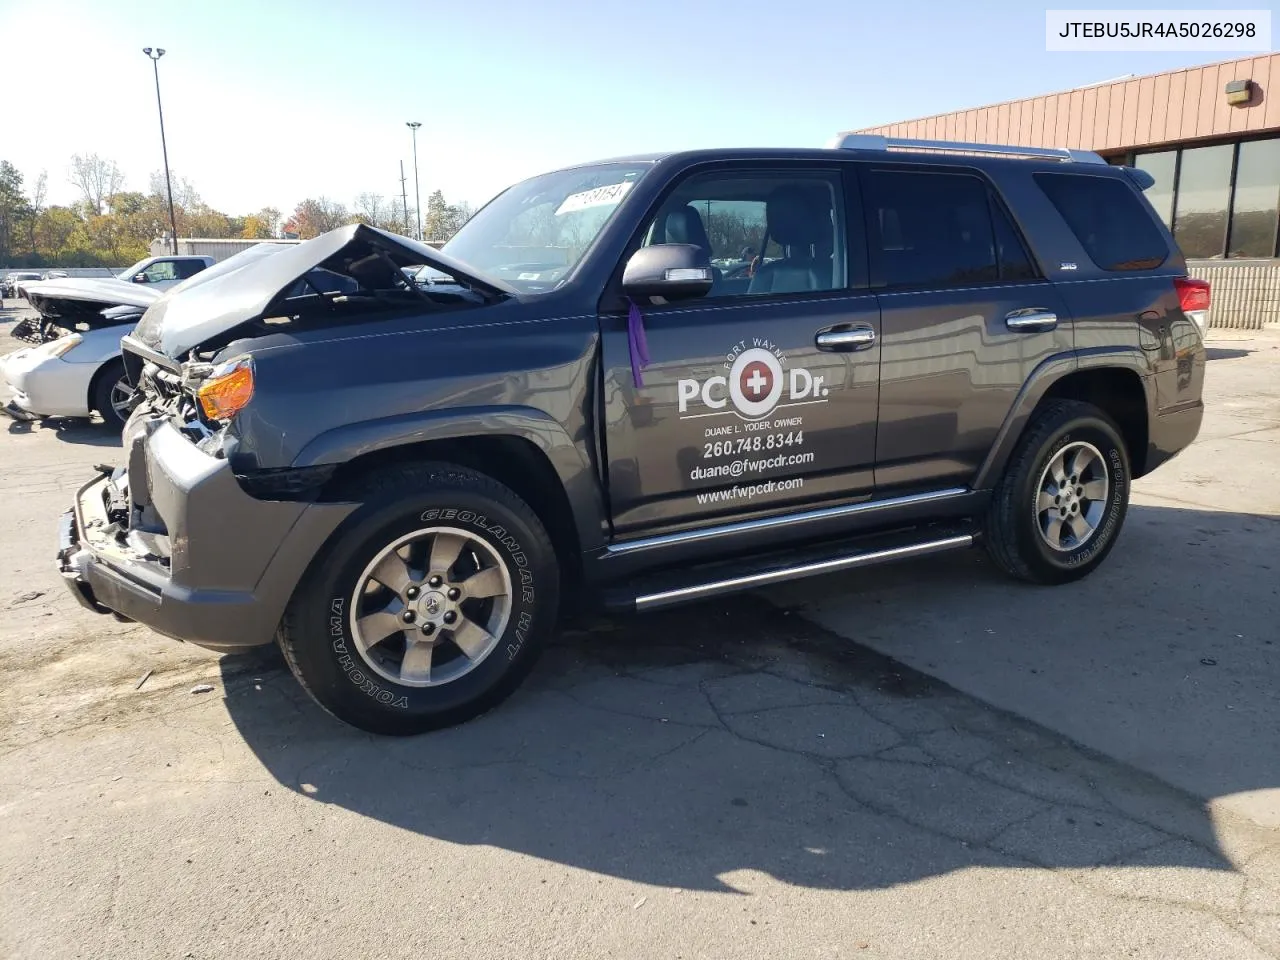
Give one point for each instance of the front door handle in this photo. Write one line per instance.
(845, 338)
(1030, 319)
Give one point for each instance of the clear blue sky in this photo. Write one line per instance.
(269, 102)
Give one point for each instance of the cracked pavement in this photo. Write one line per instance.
(734, 779)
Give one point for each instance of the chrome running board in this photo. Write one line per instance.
(787, 520)
(780, 574)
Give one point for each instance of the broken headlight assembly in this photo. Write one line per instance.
(225, 389)
(61, 346)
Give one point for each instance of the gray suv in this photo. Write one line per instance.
(407, 484)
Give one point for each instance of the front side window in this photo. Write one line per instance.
(532, 235)
(762, 232)
(157, 272)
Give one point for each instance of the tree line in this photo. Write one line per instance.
(440, 219)
(110, 225)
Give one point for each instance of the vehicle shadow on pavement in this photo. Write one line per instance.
(89, 433)
(1165, 659)
(740, 735)
(85, 433)
(1225, 353)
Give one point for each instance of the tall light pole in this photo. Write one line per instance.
(155, 56)
(404, 198)
(417, 196)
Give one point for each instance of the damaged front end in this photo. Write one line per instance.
(173, 541)
(54, 324)
(176, 538)
(76, 305)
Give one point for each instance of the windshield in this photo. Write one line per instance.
(532, 235)
(429, 274)
(132, 271)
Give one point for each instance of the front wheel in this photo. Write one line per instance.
(1056, 512)
(113, 395)
(428, 607)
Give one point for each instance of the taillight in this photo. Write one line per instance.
(1193, 294)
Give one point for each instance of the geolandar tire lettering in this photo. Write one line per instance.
(500, 534)
(1058, 510)
(428, 606)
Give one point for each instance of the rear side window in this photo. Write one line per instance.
(1108, 218)
(939, 230)
(189, 268)
(1014, 262)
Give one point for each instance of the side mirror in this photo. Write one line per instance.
(673, 271)
(139, 278)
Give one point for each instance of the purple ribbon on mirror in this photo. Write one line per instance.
(637, 345)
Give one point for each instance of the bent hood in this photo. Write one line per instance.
(105, 292)
(242, 288)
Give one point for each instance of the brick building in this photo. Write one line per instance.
(1209, 135)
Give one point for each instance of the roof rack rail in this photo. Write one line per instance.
(874, 141)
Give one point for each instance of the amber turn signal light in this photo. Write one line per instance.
(228, 390)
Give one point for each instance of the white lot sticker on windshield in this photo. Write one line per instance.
(596, 197)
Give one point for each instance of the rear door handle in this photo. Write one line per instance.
(845, 338)
(1030, 319)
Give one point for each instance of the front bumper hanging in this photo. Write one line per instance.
(212, 566)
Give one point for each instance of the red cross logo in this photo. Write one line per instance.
(757, 380)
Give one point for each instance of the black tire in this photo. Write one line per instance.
(1014, 522)
(100, 394)
(317, 636)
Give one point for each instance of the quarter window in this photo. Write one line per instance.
(1108, 218)
(762, 232)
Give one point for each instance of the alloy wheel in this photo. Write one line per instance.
(1072, 497)
(122, 398)
(431, 607)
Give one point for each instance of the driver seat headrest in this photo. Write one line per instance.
(797, 216)
(684, 225)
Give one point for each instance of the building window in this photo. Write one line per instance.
(1219, 201)
(1164, 167)
(1255, 211)
(1204, 191)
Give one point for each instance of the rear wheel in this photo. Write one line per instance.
(113, 395)
(429, 605)
(1058, 509)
